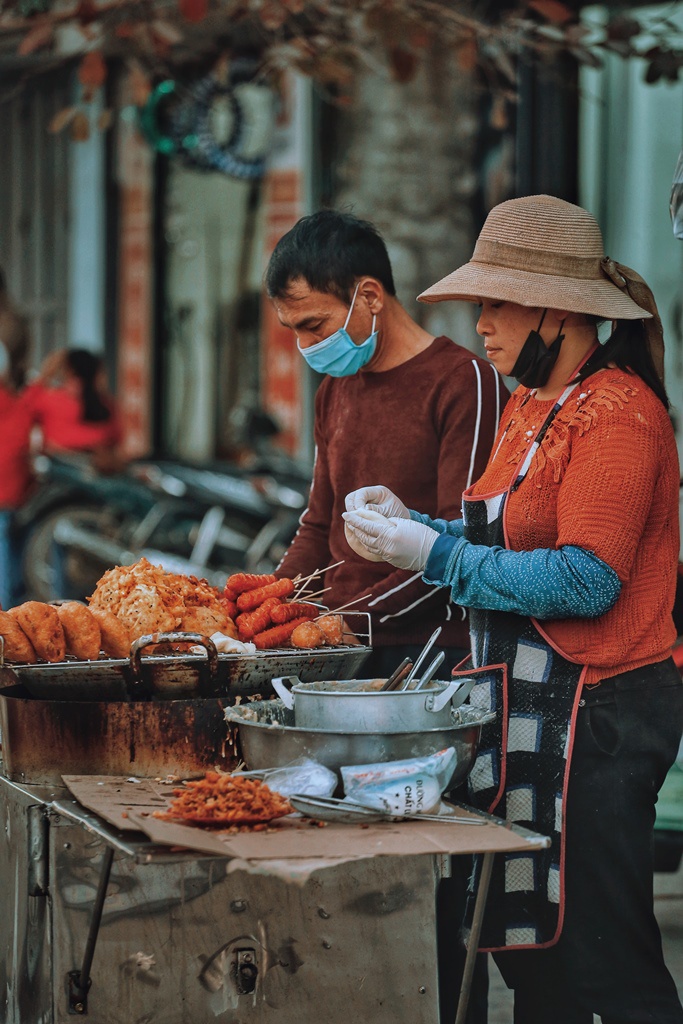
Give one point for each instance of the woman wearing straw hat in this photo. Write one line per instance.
(566, 556)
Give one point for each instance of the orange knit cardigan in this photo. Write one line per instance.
(606, 479)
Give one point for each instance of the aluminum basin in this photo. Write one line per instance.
(269, 739)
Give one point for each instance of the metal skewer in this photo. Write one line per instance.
(343, 607)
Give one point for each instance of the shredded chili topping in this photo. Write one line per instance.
(219, 799)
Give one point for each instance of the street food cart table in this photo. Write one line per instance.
(180, 925)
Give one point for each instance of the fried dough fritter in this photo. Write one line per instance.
(331, 626)
(308, 634)
(208, 621)
(40, 622)
(115, 639)
(81, 630)
(18, 647)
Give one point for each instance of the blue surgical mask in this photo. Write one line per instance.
(339, 355)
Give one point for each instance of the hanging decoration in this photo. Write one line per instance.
(220, 122)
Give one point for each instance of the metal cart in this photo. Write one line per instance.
(111, 927)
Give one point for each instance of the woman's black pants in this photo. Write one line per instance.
(608, 960)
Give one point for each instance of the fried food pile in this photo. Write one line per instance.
(225, 800)
(265, 614)
(147, 599)
(129, 602)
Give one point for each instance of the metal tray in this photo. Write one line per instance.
(176, 676)
(269, 739)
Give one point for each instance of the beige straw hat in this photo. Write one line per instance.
(542, 251)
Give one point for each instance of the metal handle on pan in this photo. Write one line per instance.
(280, 687)
(137, 647)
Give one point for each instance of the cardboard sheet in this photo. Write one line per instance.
(292, 837)
(111, 797)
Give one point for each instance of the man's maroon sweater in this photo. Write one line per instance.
(424, 429)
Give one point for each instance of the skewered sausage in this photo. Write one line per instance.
(81, 630)
(293, 610)
(332, 628)
(251, 599)
(241, 582)
(40, 622)
(277, 635)
(308, 634)
(257, 621)
(18, 647)
(229, 594)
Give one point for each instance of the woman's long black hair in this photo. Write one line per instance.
(86, 366)
(628, 349)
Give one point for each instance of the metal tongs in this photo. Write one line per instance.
(397, 676)
(430, 672)
(421, 658)
(330, 808)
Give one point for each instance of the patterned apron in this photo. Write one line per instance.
(522, 768)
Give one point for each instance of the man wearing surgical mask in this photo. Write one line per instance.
(398, 405)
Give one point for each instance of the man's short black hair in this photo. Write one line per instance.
(330, 251)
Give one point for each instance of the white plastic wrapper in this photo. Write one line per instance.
(227, 645)
(305, 777)
(413, 786)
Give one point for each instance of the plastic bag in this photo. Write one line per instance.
(413, 786)
(307, 777)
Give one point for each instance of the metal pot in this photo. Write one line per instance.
(358, 705)
(269, 739)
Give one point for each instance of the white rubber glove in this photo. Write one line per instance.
(401, 542)
(379, 499)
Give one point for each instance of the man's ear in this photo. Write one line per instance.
(373, 292)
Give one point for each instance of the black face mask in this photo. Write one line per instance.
(536, 359)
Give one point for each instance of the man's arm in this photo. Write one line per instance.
(310, 548)
(467, 411)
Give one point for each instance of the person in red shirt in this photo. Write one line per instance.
(70, 404)
(15, 422)
(14, 478)
(71, 407)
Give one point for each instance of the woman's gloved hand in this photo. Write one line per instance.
(379, 499)
(401, 542)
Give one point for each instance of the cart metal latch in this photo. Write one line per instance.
(246, 971)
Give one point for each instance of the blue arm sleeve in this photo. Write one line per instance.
(564, 584)
(453, 529)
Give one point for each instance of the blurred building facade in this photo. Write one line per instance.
(110, 245)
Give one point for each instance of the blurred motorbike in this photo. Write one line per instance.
(202, 520)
